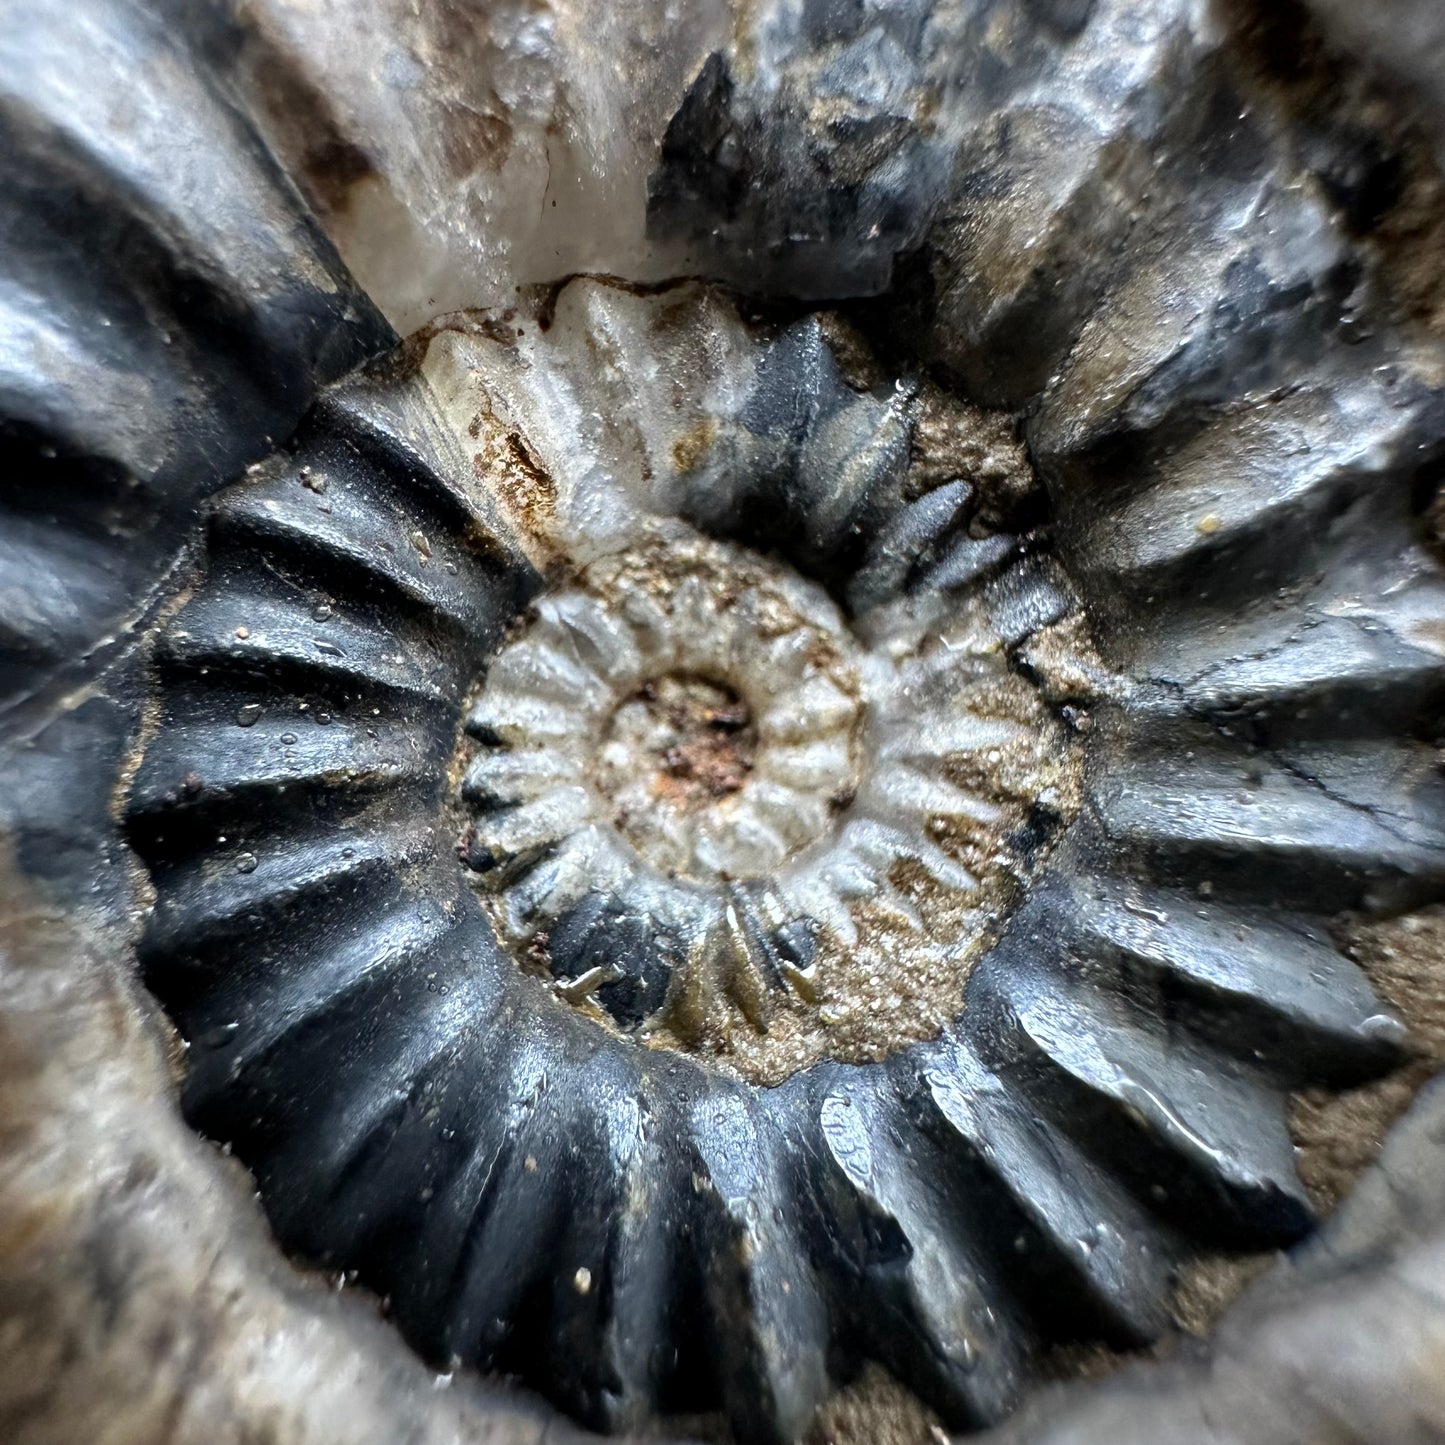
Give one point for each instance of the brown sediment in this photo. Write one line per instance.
(705, 739)
(1338, 1135)
(875, 1410)
(692, 447)
(903, 981)
(1204, 1288)
(953, 439)
(855, 357)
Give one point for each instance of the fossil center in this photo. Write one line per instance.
(710, 808)
(737, 747)
(697, 736)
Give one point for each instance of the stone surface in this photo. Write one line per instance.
(1179, 421)
(458, 151)
(141, 1294)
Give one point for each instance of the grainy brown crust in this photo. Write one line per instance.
(876, 1410)
(1338, 1135)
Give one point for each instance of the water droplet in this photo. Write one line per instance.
(249, 714)
(245, 863)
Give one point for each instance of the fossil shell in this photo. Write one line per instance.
(693, 846)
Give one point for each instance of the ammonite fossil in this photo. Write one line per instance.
(775, 790)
